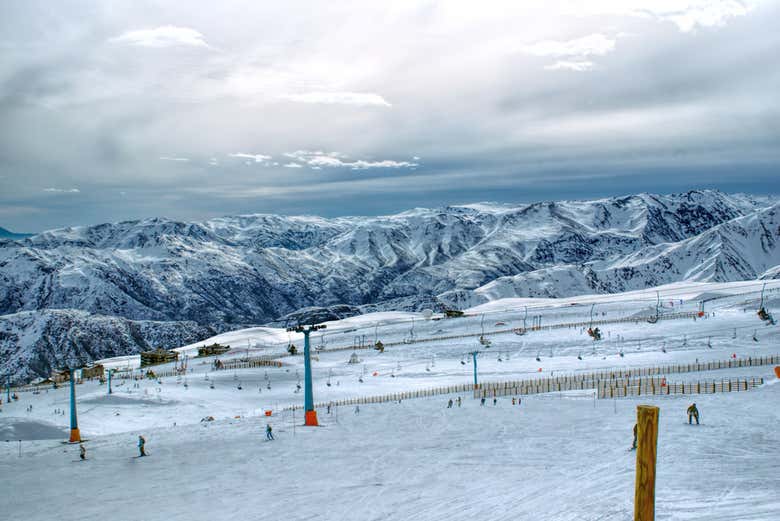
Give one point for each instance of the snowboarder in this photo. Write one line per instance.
(82, 452)
(459, 401)
(269, 435)
(693, 413)
(633, 444)
(141, 445)
(449, 404)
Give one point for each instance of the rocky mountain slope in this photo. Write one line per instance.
(232, 271)
(35, 342)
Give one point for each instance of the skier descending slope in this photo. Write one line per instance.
(269, 435)
(82, 452)
(141, 446)
(693, 413)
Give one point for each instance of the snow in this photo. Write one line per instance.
(558, 456)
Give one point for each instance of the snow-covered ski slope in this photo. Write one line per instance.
(558, 456)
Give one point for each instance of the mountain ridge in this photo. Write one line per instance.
(229, 272)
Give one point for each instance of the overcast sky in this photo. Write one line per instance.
(190, 109)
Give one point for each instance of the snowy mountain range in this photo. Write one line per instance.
(225, 273)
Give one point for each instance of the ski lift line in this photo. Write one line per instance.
(631, 319)
(624, 319)
(708, 336)
(559, 307)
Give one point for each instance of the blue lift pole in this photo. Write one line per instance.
(75, 436)
(310, 415)
(474, 356)
(308, 395)
(8, 387)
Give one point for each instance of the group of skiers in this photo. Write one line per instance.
(269, 435)
(515, 401)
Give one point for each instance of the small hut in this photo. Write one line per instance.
(212, 350)
(93, 371)
(159, 356)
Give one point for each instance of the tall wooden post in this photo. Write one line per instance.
(647, 441)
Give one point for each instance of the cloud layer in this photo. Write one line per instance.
(211, 108)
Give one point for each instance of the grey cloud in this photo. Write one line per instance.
(679, 109)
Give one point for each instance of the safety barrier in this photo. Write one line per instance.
(592, 380)
(391, 397)
(655, 386)
(248, 364)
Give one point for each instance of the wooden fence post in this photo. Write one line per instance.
(647, 441)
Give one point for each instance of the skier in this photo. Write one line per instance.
(482, 401)
(357, 409)
(269, 435)
(514, 400)
(82, 452)
(495, 400)
(449, 404)
(693, 413)
(141, 444)
(459, 401)
(633, 444)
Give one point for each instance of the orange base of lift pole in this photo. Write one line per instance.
(311, 419)
(777, 371)
(75, 436)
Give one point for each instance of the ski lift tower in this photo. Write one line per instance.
(75, 435)
(310, 415)
(474, 356)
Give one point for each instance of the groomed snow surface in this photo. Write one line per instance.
(557, 456)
